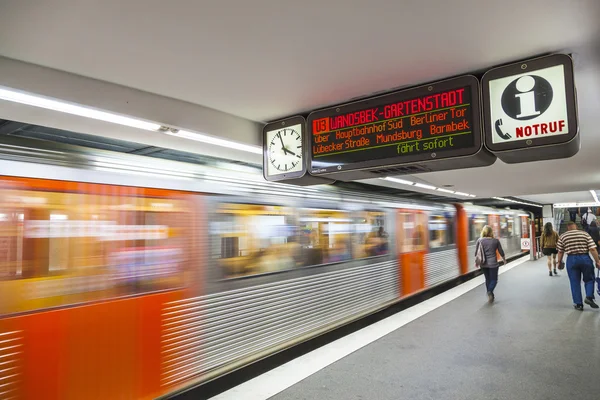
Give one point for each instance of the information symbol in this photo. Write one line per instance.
(527, 97)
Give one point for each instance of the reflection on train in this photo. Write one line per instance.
(109, 290)
(259, 238)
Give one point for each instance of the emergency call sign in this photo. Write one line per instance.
(531, 105)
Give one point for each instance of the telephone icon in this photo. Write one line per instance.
(503, 135)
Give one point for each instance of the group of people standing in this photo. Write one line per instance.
(577, 244)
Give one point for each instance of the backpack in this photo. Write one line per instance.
(479, 254)
(584, 223)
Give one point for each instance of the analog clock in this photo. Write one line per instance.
(284, 150)
(284, 153)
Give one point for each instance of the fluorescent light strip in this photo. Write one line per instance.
(216, 141)
(517, 202)
(130, 172)
(69, 108)
(423, 186)
(87, 112)
(401, 181)
(594, 195)
(569, 205)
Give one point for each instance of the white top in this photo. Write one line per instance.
(589, 217)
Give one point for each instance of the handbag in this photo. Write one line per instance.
(479, 255)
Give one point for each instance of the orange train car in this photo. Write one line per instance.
(128, 287)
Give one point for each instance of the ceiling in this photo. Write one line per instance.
(266, 59)
(571, 197)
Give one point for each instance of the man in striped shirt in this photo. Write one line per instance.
(579, 245)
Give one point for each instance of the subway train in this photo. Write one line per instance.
(127, 277)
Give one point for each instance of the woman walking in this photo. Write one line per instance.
(489, 246)
(548, 244)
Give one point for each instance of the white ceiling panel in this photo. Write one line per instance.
(265, 59)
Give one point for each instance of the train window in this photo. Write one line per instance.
(476, 224)
(327, 234)
(255, 239)
(510, 225)
(504, 226)
(370, 236)
(441, 230)
(59, 248)
(412, 231)
(517, 226)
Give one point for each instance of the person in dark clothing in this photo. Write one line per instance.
(594, 232)
(383, 238)
(573, 214)
(490, 246)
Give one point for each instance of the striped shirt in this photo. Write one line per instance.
(575, 242)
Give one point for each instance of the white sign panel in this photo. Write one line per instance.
(525, 244)
(529, 105)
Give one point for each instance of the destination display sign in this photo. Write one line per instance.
(426, 123)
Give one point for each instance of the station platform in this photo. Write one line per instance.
(529, 344)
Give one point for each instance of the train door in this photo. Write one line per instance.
(462, 238)
(412, 246)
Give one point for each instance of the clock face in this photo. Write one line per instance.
(284, 150)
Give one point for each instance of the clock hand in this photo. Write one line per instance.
(281, 139)
(289, 151)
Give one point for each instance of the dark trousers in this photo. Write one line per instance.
(573, 215)
(580, 266)
(491, 278)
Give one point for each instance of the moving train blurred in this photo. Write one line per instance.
(123, 277)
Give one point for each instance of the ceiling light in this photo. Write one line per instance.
(445, 190)
(472, 195)
(594, 195)
(70, 108)
(424, 186)
(569, 205)
(87, 112)
(216, 141)
(462, 194)
(401, 181)
(134, 172)
(517, 202)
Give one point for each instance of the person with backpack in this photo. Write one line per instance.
(594, 232)
(548, 244)
(486, 259)
(586, 219)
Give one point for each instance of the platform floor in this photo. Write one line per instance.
(530, 344)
